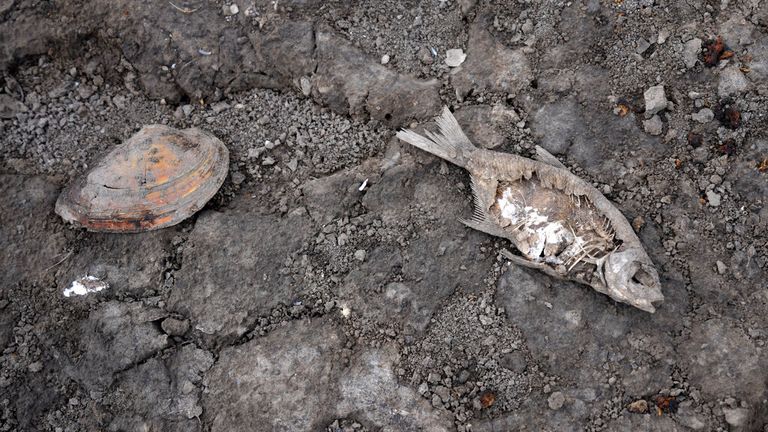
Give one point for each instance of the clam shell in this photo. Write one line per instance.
(157, 178)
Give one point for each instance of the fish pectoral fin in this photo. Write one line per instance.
(484, 225)
(483, 192)
(542, 155)
(530, 264)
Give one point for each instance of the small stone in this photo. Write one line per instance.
(237, 178)
(230, 10)
(556, 400)
(85, 91)
(653, 126)
(385, 59)
(219, 107)
(638, 407)
(35, 367)
(425, 56)
(306, 86)
(293, 164)
(423, 388)
(527, 26)
(705, 115)
(691, 421)
(736, 417)
(691, 52)
(176, 327)
(663, 36)
(713, 198)
(360, 255)
(433, 378)
(485, 320)
(721, 268)
(436, 402)
(187, 109)
(268, 161)
(455, 57)
(642, 46)
(655, 100)
(444, 393)
(9, 107)
(732, 82)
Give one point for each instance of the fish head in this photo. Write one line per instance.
(631, 278)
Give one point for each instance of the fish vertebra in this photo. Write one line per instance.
(559, 223)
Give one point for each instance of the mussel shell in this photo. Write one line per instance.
(157, 178)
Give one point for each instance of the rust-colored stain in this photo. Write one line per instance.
(157, 178)
(763, 166)
(716, 51)
(487, 398)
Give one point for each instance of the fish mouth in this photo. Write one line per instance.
(651, 305)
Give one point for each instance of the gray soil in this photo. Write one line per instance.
(295, 301)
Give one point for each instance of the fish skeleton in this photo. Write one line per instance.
(558, 222)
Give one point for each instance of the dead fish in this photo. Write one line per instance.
(558, 222)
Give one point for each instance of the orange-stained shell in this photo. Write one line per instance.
(157, 178)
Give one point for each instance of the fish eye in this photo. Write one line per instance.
(642, 277)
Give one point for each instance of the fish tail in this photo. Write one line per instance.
(450, 143)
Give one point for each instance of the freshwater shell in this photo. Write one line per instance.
(157, 178)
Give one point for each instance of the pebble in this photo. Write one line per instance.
(230, 10)
(219, 107)
(177, 327)
(425, 56)
(642, 46)
(385, 59)
(436, 401)
(527, 26)
(85, 91)
(35, 367)
(732, 81)
(485, 320)
(556, 400)
(455, 57)
(306, 86)
(653, 126)
(444, 393)
(655, 100)
(705, 115)
(721, 268)
(713, 198)
(691, 52)
(663, 36)
(736, 417)
(639, 406)
(360, 255)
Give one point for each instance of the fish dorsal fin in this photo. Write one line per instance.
(542, 155)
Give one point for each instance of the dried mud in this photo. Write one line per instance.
(297, 301)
